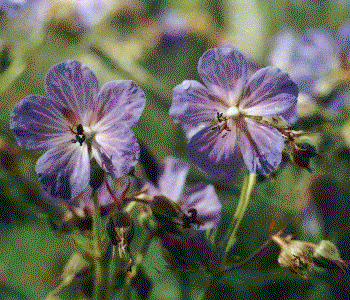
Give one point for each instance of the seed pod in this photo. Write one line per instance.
(326, 255)
(120, 229)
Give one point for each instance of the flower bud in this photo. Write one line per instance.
(303, 153)
(326, 255)
(164, 210)
(297, 256)
(97, 175)
(120, 229)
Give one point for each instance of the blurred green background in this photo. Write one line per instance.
(127, 42)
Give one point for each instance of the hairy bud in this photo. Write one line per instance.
(303, 154)
(326, 255)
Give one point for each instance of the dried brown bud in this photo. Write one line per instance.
(297, 256)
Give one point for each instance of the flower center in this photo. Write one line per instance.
(233, 112)
(79, 134)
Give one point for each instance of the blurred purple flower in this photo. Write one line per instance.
(201, 197)
(75, 121)
(174, 33)
(222, 119)
(305, 58)
(31, 13)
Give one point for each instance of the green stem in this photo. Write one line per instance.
(137, 264)
(185, 285)
(96, 240)
(250, 257)
(230, 236)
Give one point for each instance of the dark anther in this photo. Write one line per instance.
(219, 117)
(79, 135)
(192, 219)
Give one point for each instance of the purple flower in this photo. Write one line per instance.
(30, 13)
(76, 121)
(174, 33)
(305, 58)
(222, 119)
(201, 197)
(84, 203)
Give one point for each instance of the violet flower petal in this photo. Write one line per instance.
(224, 67)
(64, 171)
(172, 178)
(116, 150)
(216, 154)
(119, 101)
(38, 124)
(202, 197)
(261, 146)
(74, 87)
(270, 92)
(193, 105)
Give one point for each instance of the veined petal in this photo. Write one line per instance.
(119, 101)
(261, 146)
(215, 153)
(202, 197)
(38, 124)
(193, 105)
(74, 87)
(270, 92)
(116, 150)
(224, 67)
(64, 171)
(172, 178)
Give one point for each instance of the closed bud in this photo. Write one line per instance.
(303, 153)
(97, 175)
(165, 210)
(326, 255)
(120, 229)
(297, 256)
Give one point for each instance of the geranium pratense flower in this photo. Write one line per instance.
(200, 198)
(223, 119)
(75, 120)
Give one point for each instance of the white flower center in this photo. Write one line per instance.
(233, 112)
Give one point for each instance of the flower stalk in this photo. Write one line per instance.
(99, 276)
(230, 236)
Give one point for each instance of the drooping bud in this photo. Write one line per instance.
(297, 256)
(326, 255)
(303, 153)
(165, 210)
(120, 229)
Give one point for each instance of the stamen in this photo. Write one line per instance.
(79, 134)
